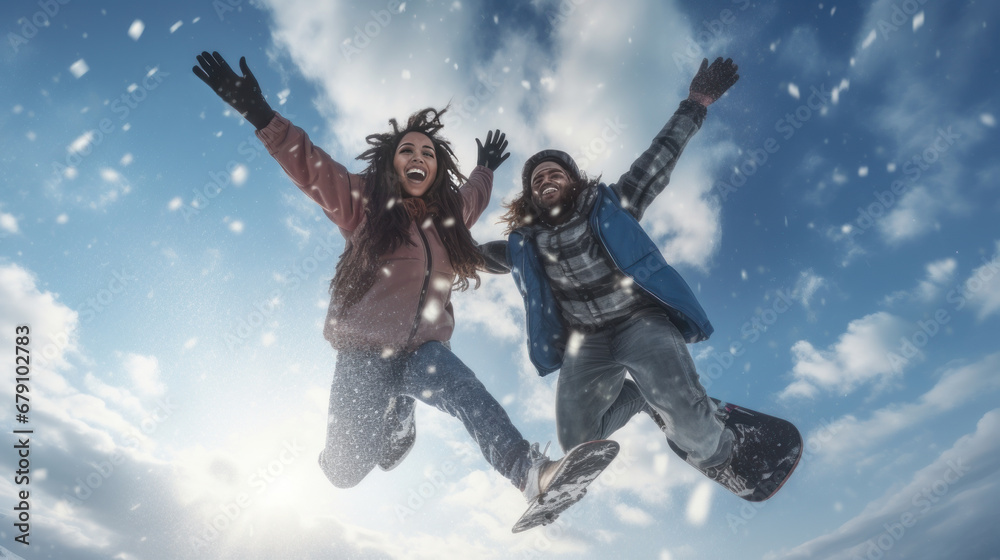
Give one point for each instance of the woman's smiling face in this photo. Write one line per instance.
(416, 163)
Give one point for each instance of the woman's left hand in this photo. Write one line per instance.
(492, 154)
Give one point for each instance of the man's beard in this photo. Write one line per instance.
(561, 209)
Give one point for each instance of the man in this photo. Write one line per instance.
(601, 300)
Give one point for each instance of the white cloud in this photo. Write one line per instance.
(915, 107)
(945, 510)
(53, 325)
(849, 439)
(144, 371)
(806, 287)
(101, 438)
(914, 215)
(939, 274)
(496, 307)
(860, 356)
(982, 287)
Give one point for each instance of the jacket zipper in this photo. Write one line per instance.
(423, 289)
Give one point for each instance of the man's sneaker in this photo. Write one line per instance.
(553, 486)
(765, 452)
(400, 432)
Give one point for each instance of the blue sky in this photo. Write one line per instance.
(836, 215)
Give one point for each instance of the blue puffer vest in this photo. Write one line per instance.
(633, 252)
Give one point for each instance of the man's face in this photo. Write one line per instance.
(551, 187)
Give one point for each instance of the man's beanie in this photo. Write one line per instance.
(562, 158)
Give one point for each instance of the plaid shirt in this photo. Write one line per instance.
(589, 288)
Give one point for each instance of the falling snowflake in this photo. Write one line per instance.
(135, 30)
(79, 68)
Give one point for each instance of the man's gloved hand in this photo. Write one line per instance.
(712, 81)
(491, 155)
(240, 92)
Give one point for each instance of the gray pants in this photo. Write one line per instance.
(364, 385)
(593, 398)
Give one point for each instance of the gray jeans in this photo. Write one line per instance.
(594, 399)
(364, 385)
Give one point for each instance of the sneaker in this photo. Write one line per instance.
(552, 486)
(400, 432)
(764, 453)
(540, 472)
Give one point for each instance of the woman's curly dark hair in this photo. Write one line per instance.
(387, 222)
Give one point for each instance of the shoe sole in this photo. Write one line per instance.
(781, 430)
(388, 465)
(579, 468)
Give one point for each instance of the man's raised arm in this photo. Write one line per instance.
(650, 173)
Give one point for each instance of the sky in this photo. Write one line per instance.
(836, 215)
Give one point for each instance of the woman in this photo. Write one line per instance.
(406, 223)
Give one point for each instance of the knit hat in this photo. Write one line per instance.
(562, 158)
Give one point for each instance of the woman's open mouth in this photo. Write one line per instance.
(416, 174)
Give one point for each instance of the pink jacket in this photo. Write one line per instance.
(389, 316)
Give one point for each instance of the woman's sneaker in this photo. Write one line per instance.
(552, 486)
(400, 432)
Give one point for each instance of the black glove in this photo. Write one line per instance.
(712, 81)
(495, 257)
(240, 92)
(492, 154)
